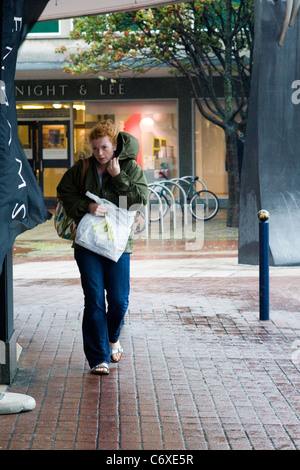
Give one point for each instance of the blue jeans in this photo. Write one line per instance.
(102, 324)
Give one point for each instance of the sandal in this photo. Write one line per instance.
(100, 369)
(115, 351)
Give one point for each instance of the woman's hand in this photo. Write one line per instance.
(97, 209)
(113, 167)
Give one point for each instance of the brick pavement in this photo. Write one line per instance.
(199, 372)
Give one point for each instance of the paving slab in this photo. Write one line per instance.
(200, 371)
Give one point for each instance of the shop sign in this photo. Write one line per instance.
(88, 90)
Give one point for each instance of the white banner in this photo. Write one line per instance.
(58, 9)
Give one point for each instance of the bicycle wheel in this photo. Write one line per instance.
(210, 204)
(154, 207)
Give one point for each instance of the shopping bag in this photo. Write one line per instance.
(64, 225)
(107, 235)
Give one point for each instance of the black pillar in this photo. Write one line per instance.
(8, 345)
(271, 163)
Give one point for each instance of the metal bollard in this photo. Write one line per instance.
(264, 216)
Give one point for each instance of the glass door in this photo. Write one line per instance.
(27, 132)
(47, 147)
(54, 155)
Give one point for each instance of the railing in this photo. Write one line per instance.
(161, 196)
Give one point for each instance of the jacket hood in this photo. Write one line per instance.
(127, 146)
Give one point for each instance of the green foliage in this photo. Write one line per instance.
(190, 38)
(204, 41)
(183, 36)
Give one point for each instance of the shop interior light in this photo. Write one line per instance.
(32, 106)
(57, 105)
(146, 123)
(79, 107)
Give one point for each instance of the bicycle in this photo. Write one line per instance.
(159, 200)
(192, 198)
(205, 197)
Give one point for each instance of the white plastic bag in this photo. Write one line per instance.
(106, 235)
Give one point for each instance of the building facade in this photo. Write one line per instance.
(56, 111)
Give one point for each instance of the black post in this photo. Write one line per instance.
(263, 216)
(8, 344)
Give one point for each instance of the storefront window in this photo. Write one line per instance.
(210, 155)
(44, 132)
(55, 135)
(153, 124)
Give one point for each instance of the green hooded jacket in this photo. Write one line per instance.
(130, 182)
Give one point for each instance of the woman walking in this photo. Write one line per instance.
(112, 173)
